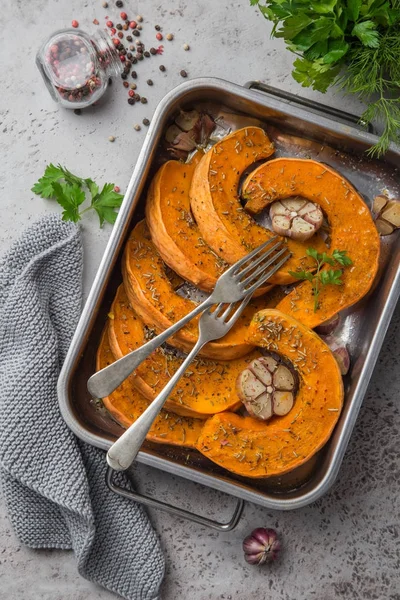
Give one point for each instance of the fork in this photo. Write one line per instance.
(212, 326)
(237, 282)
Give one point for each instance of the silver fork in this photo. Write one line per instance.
(212, 326)
(240, 280)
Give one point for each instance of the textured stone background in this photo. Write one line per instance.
(344, 546)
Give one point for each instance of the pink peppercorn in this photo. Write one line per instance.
(110, 24)
(159, 36)
(117, 189)
(122, 58)
(113, 31)
(116, 42)
(131, 93)
(132, 24)
(75, 24)
(123, 16)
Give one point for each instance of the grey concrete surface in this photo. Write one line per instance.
(344, 546)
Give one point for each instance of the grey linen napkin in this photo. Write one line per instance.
(53, 484)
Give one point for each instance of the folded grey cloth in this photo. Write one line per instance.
(53, 484)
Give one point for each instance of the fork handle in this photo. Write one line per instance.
(104, 382)
(124, 451)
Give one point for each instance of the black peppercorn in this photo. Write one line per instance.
(119, 4)
(129, 55)
(123, 51)
(140, 57)
(134, 60)
(129, 38)
(124, 75)
(149, 82)
(147, 54)
(131, 100)
(134, 74)
(183, 73)
(157, 28)
(136, 33)
(119, 26)
(162, 68)
(77, 111)
(153, 51)
(137, 97)
(146, 122)
(143, 100)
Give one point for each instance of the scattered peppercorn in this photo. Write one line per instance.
(110, 24)
(119, 27)
(143, 100)
(123, 16)
(117, 189)
(123, 75)
(133, 24)
(139, 18)
(105, 4)
(95, 22)
(131, 100)
(111, 138)
(169, 36)
(137, 97)
(75, 24)
(149, 82)
(131, 93)
(131, 47)
(120, 35)
(134, 60)
(159, 36)
(186, 47)
(113, 31)
(77, 111)
(119, 4)
(136, 32)
(129, 38)
(183, 73)
(133, 86)
(125, 84)
(162, 68)
(153, 51)
(157, 27)
(140, 57)
(129, 55)
(139, 27)
(146, 122)
(122, 59)
(125, 27)
(147, 54)
(134, 74)
(137, 128)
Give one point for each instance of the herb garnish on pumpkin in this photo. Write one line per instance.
(324, 277)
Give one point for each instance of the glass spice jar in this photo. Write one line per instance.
(76, 66)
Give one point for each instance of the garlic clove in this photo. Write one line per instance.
(379, 203)
(312, 214)
(294, 204)
(339, 351)
(383, 227)
(328, 326)
(283, 379)
(261, 371)
(281, 225)
(282, 402)
(391, 213)
(270, 363)
(301, 230)
(172, 133)
(186, 120)
(248, 386)
(261, 407)
(277, 208)
(185, 141)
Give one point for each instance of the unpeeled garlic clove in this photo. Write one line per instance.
(339, 351)
(172, 133)
(186, 120)
(387, 214)
(391, 213)
(328, 326)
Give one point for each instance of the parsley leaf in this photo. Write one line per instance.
(69, 191)
(366, 33)
(326, 276)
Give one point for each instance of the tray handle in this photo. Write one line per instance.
(315, 107)
(174, 510)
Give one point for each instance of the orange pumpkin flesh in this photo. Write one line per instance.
(173, 230)
(224, 223)
(126, 404)
(151, 293)
(208, 387)
(253, 448)
(352, 229)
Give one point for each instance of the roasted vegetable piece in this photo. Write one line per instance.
(126, 404)
(207, 387)
(253, 448)
(351, 223)
(150, 291)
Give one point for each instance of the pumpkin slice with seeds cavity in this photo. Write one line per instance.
(149, 290)
(224, 223)
(208, 386)
(126, 404)
(253, 448)
(351, 224)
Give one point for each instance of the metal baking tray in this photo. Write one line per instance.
(299, 127)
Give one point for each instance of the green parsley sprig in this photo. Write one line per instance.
(353, 43)
(324, 277)
(70, 192)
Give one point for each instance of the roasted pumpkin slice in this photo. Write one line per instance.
(173, 229)
(208, 386)
(252, 448)
(350, 220)
(126, 404)
(224, 223)
(150, 291)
